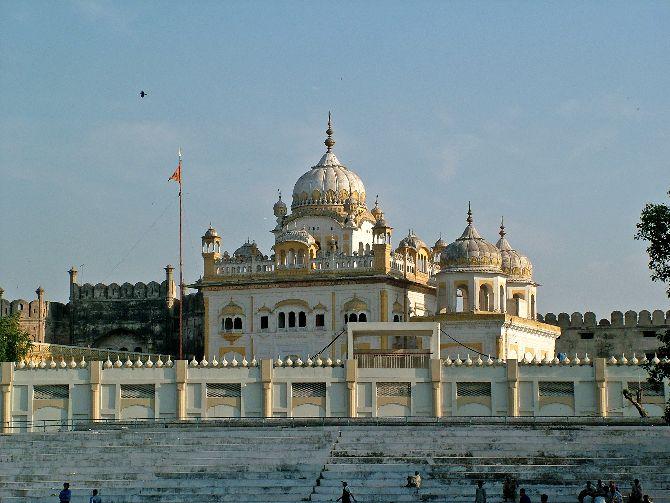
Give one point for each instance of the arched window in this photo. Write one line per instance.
(237, 324)
(484, 298)
(367, 249)
(228, 324)
(461, 299)
(353, 317)
(396, 318)
(281, 320)
(302, 319)
(362, 317)
(291, 319)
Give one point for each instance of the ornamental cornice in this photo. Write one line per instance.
(292, 302)
(306, 281)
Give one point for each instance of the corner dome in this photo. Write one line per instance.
(471, 252)
(514, 264)
(248, 251)
(329, 183)
(412, 241)
(211, 232)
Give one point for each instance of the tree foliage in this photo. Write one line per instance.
(14, 342)
(654, 227)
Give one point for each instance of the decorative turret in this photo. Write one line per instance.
(211, 250)
(381, 241)
(280, 211)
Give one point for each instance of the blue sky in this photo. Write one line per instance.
(554, 115)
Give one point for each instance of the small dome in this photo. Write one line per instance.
(516, 265)
(411, 241)
(248, 251)
(377, 211)
(439, 245)
(471, 252)
(211, 232)
(297, 236)
(279, 208)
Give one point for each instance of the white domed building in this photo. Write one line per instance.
(333, 263)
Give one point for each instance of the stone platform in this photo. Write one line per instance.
(292, 461)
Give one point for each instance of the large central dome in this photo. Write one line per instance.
(329, 183)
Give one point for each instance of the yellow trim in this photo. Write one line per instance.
(241, 350)
(205, 327)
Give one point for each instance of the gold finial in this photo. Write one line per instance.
(469, 219)
(329, 141)
(502, 228)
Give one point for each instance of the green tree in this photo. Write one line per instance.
(14, 342)
(654, 228)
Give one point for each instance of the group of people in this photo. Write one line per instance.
(65, 496)
(602, 493)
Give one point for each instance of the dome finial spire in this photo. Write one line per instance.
(502, 227)
(469, 219)
(329, 141)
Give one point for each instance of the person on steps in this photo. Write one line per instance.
(95, 498)
(523, 497)
(346, 497)
(414, 480)
(509, 489)
(589, 490)
(480, 494)
(636, 492)
(65, 495)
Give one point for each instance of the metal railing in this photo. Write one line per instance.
(396, 360)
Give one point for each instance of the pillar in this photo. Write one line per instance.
(436, 378)
(181, 369)
(6, 378)
(351, 370)
(266, 380)
(41, 321)
(170, 291)
(73, 281)
(600, 371)
(95, 369)
(512, 388)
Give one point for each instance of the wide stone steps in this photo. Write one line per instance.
(292, 464)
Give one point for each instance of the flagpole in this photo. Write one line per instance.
(181, 267)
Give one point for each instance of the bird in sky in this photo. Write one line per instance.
(143, 94)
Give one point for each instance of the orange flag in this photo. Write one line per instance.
(176, 176)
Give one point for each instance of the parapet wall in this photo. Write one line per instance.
(36, 397)
(113, 291)
(617, 319)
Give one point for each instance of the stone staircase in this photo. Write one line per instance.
(285, 462)
(167, 465)
(552, 460)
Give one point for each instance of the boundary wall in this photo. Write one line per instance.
(34, 398)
